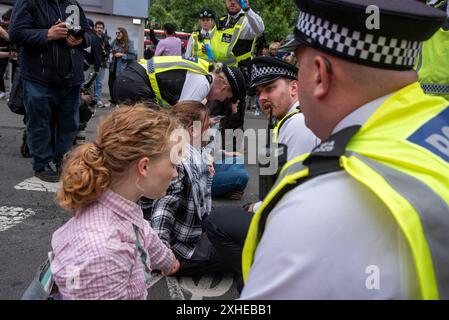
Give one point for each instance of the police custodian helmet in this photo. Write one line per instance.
(385, 34)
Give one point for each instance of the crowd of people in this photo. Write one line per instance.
(356, 165)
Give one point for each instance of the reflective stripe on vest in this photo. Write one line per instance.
(279, 125)
(423, 218)
(196, 44)
(223, 49)
(162, 64)
(409, 175)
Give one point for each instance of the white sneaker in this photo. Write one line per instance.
(100, 105)
(2, 94)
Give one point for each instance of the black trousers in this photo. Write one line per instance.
(111, 82)
(226, 228)
(3, 65)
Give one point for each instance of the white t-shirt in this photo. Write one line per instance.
(196, 87)
(332, 238)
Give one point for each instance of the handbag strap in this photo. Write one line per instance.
(143, 256)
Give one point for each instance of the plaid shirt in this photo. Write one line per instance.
(95, 253)
(178, 217)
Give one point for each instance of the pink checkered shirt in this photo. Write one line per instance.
(95, 254)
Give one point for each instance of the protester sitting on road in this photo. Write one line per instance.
(168, 80)
(178, 217)
(107, 250)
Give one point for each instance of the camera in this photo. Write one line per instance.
(74, 30)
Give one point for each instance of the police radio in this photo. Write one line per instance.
(271, 160)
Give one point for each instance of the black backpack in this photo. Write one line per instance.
(15, 102)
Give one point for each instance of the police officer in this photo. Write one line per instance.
(365, 215)
(277, 88)
(235, 36)
(433, 65)
(168, 80)
(200, 40)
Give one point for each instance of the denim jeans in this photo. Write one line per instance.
(229, 175)
(52, 121)
(99, 84)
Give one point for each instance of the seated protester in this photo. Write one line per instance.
(168, 80)
(107, 244)
(178, 217)
(231, 178)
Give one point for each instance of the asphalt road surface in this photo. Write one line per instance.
(29, 216)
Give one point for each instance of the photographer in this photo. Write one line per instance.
(52, 71)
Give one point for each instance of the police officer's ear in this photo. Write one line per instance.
(322, 76)
(293, 87)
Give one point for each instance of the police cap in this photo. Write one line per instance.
(268, 69)
(206, 13)
(379, 33)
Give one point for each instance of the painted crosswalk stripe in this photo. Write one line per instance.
(11, 216)
(35, 184)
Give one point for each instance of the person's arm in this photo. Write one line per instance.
(3, 33)
(88, 36)
(132, 54)
(161, 257)
(22, 31)
(164, 210)
(153, 37)
(253, 27)
(189, 47)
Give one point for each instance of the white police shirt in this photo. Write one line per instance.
(332, 238)
(196, 87)
(252, 27)
(296, 136)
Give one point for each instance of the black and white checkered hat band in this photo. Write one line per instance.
(259, 72)
(364, 47)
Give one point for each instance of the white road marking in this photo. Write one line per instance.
(35, 184)
(174, 289)
(11, 216)
(203, 289)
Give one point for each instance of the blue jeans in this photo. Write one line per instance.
(229, 176)
(52, 121)
(99, 84)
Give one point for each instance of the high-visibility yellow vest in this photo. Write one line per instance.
(402, 155)
(197, 45)
(162, 64)
(433, 64)
(224, 41)
(279, 125)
